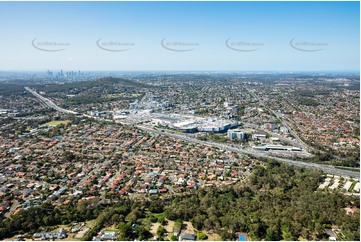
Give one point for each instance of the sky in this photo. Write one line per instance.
(180, 36)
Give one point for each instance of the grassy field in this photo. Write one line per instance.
(153, 229)
(57, 122)
(136, 95)
(159, 215)
(212, 236)
(91, 223)
(112, 228)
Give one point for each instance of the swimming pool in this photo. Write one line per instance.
(242, 237)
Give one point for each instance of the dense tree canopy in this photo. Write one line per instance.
(278, 203)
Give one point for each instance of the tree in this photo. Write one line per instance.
(272, 235)
(198, 221)
(142, 233)
(125, 231)
(201, 236)
(225, 235)
(115, 219)
(286, 234)
(156, 206)
(161, 231)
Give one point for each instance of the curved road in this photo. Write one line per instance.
(48, 102)
(300, 142)
(326, 168)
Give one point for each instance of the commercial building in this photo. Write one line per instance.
(275, 139)
(284, 129)
(236, 134)
(133, 105)
(276, 147)
(269, 126)
(258, 136)
(190, 124)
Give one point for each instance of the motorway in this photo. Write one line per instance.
(325, 168)
(300, 142)
(281, 137)
(47, 102)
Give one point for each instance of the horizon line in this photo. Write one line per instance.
(42, 70)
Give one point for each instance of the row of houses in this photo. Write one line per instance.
(61, 234)
(82, 161)
(341, 184)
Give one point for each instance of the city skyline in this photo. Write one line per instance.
(180, 36)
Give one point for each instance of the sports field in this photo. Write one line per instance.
(57, 122)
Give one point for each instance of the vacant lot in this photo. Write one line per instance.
(57, 122)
